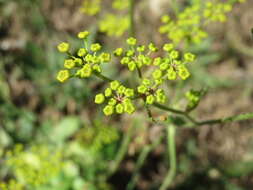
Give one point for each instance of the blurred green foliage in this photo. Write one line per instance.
(44, 116)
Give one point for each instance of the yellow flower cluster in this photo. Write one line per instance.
(111, 24)
(118, 99)
(91, 7)
(120, 4)
(171, 65)
(167, 67)
(11, 185)
(86, 61)
(216, 11)
(114, 25)
(193, 97)
(188, 27)
(35, 166)
(151, 92)
(96, 137)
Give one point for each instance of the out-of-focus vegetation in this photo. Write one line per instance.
(53, 136)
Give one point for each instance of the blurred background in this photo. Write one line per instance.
(53, 136)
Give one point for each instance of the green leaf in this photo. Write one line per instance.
(238, 169)
(65, 129)
(4, 139)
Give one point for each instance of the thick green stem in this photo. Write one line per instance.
(160, 106)
(141, 160)
(139, 72)
(131, 18)
(171, 130)
(185, 114)
(175, 7)
(234, 118)
(104, 78)
(236, 41)
(122, 151)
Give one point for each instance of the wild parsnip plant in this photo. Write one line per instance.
(118, 97)
(155, 67)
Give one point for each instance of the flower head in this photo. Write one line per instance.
(63, 75)
(63, 47)
(83, 35)
(131, 41)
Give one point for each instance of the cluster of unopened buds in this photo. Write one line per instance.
(117, 97)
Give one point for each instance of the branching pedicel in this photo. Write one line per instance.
(119, 98)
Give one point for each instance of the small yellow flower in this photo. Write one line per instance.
(83, 35)
(63, 47)
(69, 63)
(95, 47)
(63, 75)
